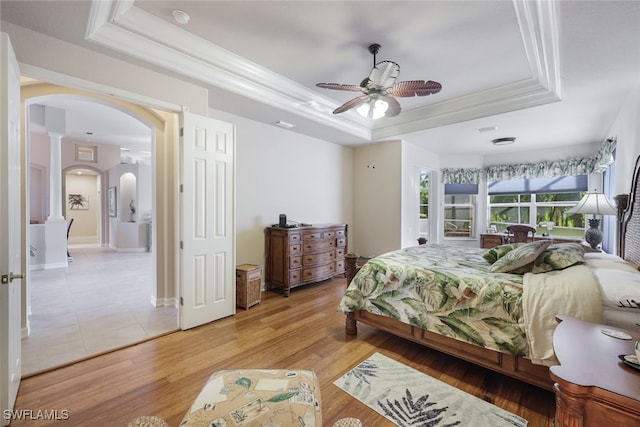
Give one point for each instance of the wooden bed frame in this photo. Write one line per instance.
(628, 245)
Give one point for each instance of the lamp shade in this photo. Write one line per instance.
(594, 203)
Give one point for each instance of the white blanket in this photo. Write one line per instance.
(573, 291)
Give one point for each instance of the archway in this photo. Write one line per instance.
(161, 126)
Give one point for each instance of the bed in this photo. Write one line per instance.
(464, 301)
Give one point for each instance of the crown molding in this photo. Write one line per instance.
(121, 26)
(538, 25)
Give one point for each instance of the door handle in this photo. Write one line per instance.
(8, 278)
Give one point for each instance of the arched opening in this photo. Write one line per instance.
(117, 286)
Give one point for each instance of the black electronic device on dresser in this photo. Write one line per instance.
(284, 223)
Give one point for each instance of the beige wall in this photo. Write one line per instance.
(377, 176)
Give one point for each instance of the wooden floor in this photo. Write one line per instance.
(163, 376)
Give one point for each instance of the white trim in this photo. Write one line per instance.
(164, 302)
(120, 25)
(65, 80)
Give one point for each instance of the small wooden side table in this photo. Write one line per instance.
(248, 285)
(593, 386)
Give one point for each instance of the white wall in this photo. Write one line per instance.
(280, 171)
(626, 129)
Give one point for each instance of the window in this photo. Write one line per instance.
(424, 204)
(541, 202)
(87, 153)
(459, 209)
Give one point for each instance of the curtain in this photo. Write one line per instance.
(545, 169)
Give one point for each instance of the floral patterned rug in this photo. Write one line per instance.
(408, 397)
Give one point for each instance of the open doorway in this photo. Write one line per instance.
(105, 297)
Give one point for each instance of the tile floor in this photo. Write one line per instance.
(102, 301)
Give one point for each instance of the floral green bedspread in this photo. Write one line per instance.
(444, 289)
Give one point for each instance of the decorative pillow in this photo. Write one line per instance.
(559, 256)
(497, 252)
(520, 259)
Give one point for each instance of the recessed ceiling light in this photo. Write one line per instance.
(488, 129)
(180, 16)
(284, 124)
(504, 141)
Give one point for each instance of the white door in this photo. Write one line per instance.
(11, 250)
(207, 212)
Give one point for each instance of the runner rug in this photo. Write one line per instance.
(408, 397)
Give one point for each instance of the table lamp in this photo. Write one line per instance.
(596, 204)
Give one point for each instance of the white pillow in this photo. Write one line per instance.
(608, 261)
(619, 288)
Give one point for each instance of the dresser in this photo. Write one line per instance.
(302, 255)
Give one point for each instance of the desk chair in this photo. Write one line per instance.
(68, 229)
(520, 233)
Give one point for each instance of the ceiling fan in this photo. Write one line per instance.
(380, 89)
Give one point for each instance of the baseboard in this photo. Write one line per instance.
(164, 302)
(130, 249)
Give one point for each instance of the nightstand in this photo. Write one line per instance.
(593, 387)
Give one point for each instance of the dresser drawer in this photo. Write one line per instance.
(295, 261)
(314, 246)
(340, 252)
(341, 233)
(295, 249)
(318, 258)
(340, 266)
(313, 235)
(294, 277)
(323, 271)
(295, 238)
(327, 235)
(341, 242)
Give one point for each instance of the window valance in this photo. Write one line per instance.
(544, 169)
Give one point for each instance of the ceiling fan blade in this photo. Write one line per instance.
(394, 106)
(384, 75)
(415, 88)
(354, 103)
(338, 86)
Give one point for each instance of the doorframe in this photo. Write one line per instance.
(165, 138)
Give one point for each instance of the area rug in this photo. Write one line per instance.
(408, 397)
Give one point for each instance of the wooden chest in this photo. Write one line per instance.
(302, 255)
(248, 281)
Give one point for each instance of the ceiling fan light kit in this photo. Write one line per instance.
(380, 89)
(375, 109)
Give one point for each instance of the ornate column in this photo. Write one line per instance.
(55, 226)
